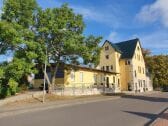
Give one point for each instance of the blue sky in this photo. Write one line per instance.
(119, 20)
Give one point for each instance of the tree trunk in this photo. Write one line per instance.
(53, 74)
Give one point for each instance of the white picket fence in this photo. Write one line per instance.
(87, 89)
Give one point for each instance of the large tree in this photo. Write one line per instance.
(60, 32)
(17, 37)
(29, 32)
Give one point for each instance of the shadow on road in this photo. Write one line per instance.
(146, 98)
(150, 116)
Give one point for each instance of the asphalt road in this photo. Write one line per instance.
(125, 111)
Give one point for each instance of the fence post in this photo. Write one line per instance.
(61, 90)
(104, 90)
(91, 89)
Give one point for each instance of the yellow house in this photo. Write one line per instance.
(74, 76)
(126, 58)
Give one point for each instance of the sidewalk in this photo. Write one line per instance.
(162, 120)
(11, 111)
(18, 97)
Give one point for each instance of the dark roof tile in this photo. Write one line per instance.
(127, 48)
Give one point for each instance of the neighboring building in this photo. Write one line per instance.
(126, 58)
(121, 68)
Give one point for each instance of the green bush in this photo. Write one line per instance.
(12, 86)
(5, 92)
(18, 89)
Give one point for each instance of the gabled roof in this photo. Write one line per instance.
(127, 48)
(113, 46)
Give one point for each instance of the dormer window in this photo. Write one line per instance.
(106, 47)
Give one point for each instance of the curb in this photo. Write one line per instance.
(56, 105)
(158, 119)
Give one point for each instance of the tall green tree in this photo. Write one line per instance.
(61, 31)
(157, 66)
(17, 36)
(29, 31)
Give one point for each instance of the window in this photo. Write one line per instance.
(107, 68)
(81, 76)
(102, 78)
(95, 78)
(106, 47)
(114, 79)
(138, 48)
(111, 67)
(144, 83)
(118, 82)
(143, 71)
(103, 68)
(107, 56)
(139, 69)
(127, 62)
(72, 75)
(135, 74)
(139, 58)
(139, 83)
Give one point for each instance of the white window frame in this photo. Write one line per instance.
(72, 75)
(81, 76)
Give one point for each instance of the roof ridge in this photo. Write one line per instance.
(130, 40)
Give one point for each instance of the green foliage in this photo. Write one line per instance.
(17, 69)
(61, 30)
(19, 11)
(17, 36)
(12, 86)
(4, 92)
(28, 31)
(1, 73)
(158, 65)
(92, 50)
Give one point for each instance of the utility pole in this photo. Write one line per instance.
(45, 71)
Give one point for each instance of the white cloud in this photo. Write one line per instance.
(101, 16)
(113, 37)
(157, 42)
(158, 11)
